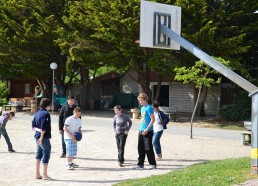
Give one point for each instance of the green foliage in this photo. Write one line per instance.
(27, 37)
(217, 27)
(3, 89)
(235, 112)
(220, 172)
(3, 101)
(94, 34)
(200, 74)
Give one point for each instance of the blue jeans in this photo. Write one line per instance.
(43, 150)
(6, 137)
(156, 141)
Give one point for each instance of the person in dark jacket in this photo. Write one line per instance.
(65, 112)
(41, 124)
(3, 120)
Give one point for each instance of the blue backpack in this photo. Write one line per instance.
(164, 119)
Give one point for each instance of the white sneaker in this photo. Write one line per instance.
(152, 167)
(75, 165)
(139, 167)
(70, 166)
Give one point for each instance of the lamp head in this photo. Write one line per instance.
(53, 66)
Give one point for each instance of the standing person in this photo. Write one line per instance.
(65, 112)
(3, 120)
(158, 131)
(122, 125)
(72, 124)
(41, 124)
(145, 134)
(38, 95)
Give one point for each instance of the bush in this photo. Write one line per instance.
(3, 102)
(235, 112)
(3, 89)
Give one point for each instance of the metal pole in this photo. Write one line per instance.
(252, 89)
(53, 87)
(254, 141)
(249, 87)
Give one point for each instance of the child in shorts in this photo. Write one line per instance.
(72, 124)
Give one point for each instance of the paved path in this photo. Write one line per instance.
(97, 153)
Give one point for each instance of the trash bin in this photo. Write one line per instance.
(136, 113)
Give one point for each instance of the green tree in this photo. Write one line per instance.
(202, 76)
(3, 89)
(220, 29)
(26, 39)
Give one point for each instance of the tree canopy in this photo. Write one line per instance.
(84, 36)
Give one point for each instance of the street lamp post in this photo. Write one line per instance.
(53, 66)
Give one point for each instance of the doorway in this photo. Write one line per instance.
(163, 95)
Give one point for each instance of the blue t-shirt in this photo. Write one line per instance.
(146, 111)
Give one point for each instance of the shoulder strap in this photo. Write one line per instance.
(160, 117)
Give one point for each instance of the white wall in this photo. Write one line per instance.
(181, 97)
(212, 101)
(128, 84)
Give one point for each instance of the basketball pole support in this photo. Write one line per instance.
(249, 87)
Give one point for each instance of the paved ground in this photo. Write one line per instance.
(97, 153)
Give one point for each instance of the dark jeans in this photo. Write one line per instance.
(43, 150)
(63, 143)
(141, 149)
(6, 137)
(120, 141)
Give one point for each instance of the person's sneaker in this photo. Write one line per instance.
(152, 167)
(120, 164)
(63, 155)
(11, 150)
(139, 167)
(75, 165)
(70, 166)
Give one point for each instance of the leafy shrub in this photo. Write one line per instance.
(3, 102)
(235, 112)
(3, 89)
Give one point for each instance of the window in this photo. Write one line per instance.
(27, 88)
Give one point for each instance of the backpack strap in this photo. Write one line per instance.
(160, 117)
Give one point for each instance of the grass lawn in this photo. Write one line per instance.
(213, 173)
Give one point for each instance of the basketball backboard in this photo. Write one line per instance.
(153, 14)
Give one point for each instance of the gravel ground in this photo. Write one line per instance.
(97, 153)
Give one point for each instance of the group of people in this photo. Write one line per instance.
(69, 123)
(149, 135)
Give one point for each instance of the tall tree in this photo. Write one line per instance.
(202, 76)
(214, 27)
(28, 31)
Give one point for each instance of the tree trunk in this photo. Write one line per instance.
(85, 88)
(194, 111)
(141, 67)
(200, 108)
(158, 88)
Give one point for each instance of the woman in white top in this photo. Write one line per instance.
(158, 131)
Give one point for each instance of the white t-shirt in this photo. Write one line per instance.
(73, 124)
(156, 126)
